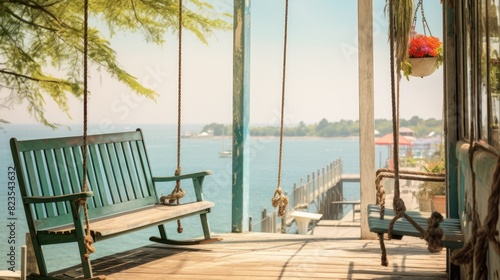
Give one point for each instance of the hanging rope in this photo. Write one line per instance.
(473, 254)
(279, 199)
(398, 204)
(383, 173)
(179, 92)
(433, 234)
(178, 192)
(88, 240)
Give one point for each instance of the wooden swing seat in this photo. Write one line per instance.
(123, 197)
(453, 237)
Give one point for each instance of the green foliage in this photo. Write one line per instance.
(420, 126)
(342, 128)
(40, 38)
(411, 162)
(217, 129)
(431, 189)
(402, 15)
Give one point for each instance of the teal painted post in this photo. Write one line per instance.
(451, 111)
(241, 115)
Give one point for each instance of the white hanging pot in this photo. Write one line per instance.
(422, 66)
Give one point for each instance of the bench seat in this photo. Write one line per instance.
(453, 237)
(136, 219)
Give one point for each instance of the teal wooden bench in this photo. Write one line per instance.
(452, 232)
(453, 237)
(123, 196)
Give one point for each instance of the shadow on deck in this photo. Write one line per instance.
(275, 256)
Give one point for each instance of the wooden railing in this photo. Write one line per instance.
(304, 194)
(316, 184)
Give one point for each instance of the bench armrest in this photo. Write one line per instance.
(197, 178)
(57, 198)
(182, 177)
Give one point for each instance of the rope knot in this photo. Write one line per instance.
(399, 212)
(434, 234)
(176, 194)
(89, 246)
(399, 207)
(281, 201)
(81, 201)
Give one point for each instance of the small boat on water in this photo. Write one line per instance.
(226, 154)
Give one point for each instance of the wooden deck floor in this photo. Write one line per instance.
(275, 256)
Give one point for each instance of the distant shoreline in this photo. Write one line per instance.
(274, 137)
(324, 129)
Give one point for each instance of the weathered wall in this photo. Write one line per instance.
(484, 164)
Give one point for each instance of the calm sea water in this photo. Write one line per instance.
(301, 156)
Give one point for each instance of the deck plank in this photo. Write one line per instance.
(273, 256)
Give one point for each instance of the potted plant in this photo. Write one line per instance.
(494, 73)
(433, 191)
(425, 55)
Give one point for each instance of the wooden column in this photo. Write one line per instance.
(450, 108)
(241, 115)
(451, 112)
(366, 112)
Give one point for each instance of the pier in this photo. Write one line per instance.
(321, 192)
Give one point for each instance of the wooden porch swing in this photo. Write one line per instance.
(90, 188)
(398, 222)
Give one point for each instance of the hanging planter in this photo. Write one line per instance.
(425, 55)
(423, 66)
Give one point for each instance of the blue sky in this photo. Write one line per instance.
(322, 77)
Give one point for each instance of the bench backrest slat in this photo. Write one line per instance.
(32, 174)
(109, 172)
(145, 175)
(50, 161)
(118, 173)
(73, 156)
(95, 179)
(44, 176)
(126, 157)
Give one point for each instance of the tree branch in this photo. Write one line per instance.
(37, 6)
(52, 4)
(10, 12)
(18, 75)
(135, 14)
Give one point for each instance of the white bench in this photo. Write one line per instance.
(303, 218)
